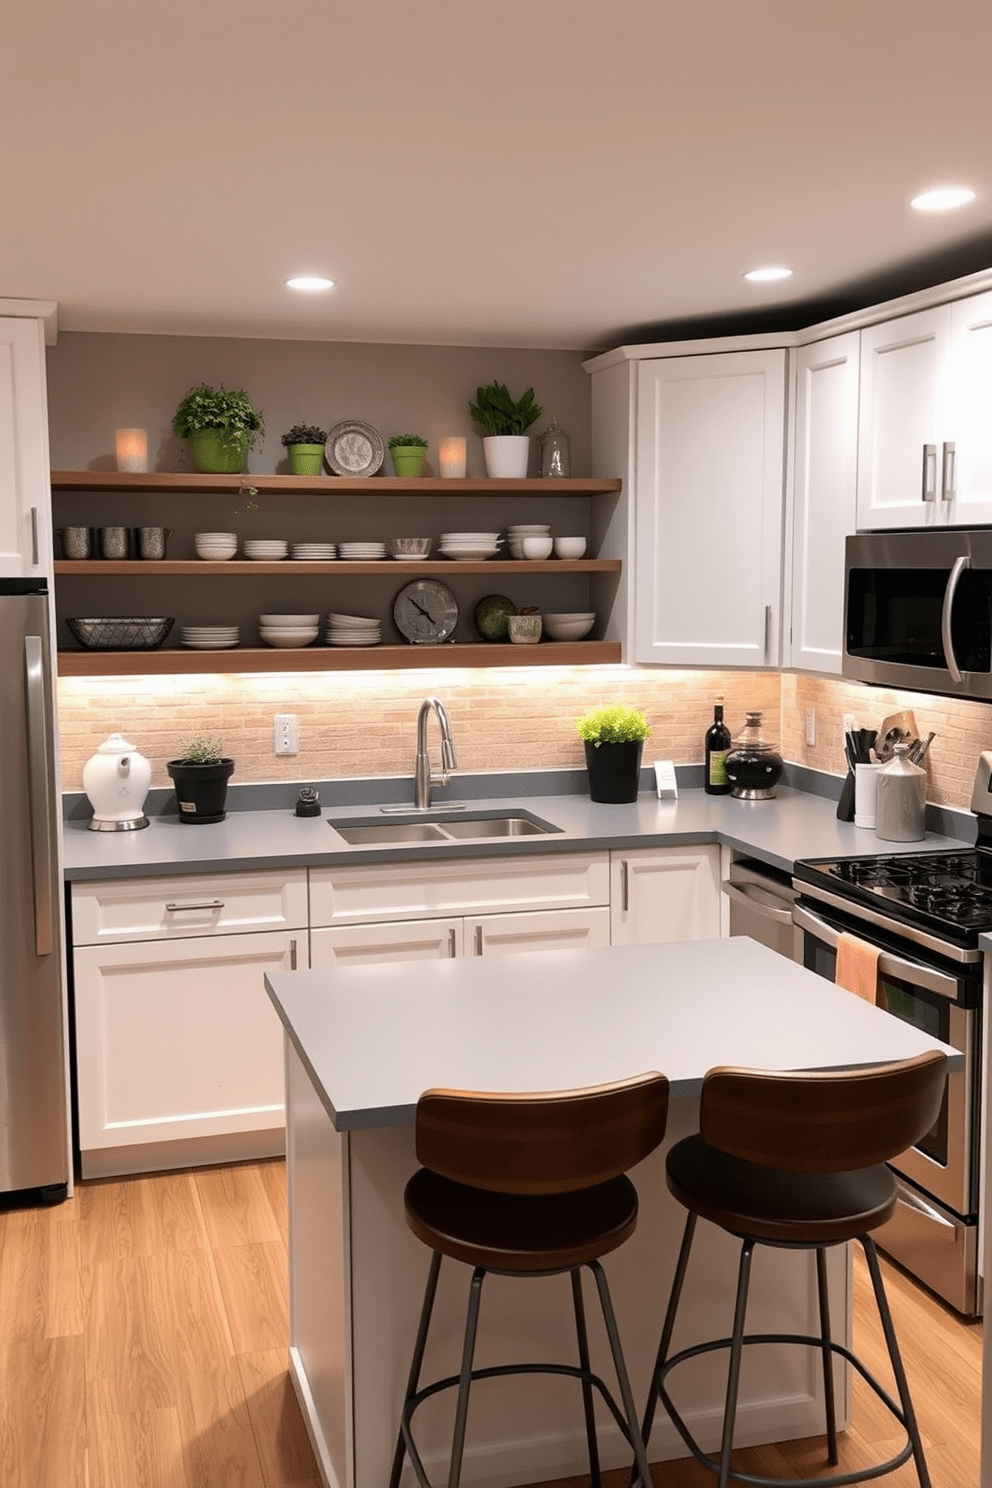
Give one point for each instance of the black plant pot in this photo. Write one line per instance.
(614, 771)
(201, 790)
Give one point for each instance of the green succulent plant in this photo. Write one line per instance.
(305, 434)
(613, 723)
(201, 749)
(407, 441)
(498, 413)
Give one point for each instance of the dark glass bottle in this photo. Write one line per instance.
(716, 747)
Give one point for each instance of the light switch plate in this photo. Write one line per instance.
(664, 775)
(286, 733)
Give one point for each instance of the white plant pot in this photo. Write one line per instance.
(507, 456)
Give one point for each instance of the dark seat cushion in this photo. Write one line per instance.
(775, 1204)
(519, 1232)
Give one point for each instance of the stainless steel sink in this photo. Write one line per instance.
(486, 826)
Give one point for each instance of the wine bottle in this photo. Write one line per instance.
(716, 747)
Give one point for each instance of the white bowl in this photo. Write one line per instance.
(536, 547)
(279, 622)
(529, 529)
(286, 637)
(224, 537)
(567, 626)
(408, 547)
(570, 547)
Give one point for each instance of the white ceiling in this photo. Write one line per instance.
(542, 173)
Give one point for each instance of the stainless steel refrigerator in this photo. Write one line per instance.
(34, 1146)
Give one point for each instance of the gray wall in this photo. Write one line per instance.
(98, 383)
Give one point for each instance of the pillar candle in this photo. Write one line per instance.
(451, 456)
(132, 449)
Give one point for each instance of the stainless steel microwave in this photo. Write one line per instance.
(918, 610)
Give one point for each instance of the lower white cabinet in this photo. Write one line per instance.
(478, 935)
(667, 893)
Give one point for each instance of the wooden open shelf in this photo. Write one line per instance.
(94, 568)
(333, 658)
(327, 485)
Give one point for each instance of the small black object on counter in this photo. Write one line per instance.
(308, 801)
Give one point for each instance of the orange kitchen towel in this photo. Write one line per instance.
(857, 967)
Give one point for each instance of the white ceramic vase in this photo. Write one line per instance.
(506, 455)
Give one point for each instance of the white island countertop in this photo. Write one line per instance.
(374, 1037)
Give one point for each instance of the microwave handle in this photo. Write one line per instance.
(888, 964)
(960, 564)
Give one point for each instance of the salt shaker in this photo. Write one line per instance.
(900, 800)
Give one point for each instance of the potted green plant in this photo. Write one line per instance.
(613, 735)
(408, 452)
(200, 776)
(221, 426)
(505, 420)
(305, 448)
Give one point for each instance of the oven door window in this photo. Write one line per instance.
(894, 615)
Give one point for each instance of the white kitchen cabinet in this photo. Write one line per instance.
(824, 498)
(667, 893)
(25, 507)
(178, 1049)
(445, 939)
(709, 507)
(925, 447)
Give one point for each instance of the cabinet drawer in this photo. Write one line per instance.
(405, 891)
(175, 908)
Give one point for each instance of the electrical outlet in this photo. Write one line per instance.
(286, 734)
(810, 725)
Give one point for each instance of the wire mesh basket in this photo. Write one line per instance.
(121, 633)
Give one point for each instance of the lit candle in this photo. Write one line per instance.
(451, 456)
(132, 449)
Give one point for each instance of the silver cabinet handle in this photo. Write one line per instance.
(292, 955)
(949, 473)
(452, 944)
(768, 632)
(929, 492)
(760, 901)
(176, 908)
(39, 795)
(960, 564)
(624, 885)
(35, 550)
(478, 940)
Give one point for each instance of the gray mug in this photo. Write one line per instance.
(152, 541)
(77, 542)
(115, 542)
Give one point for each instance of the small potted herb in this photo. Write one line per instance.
(408, 452)
(221, 426)
(613, 735)
(200, 776)
(505, 421)
(305, 448)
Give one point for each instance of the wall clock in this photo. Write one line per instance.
(426, 612)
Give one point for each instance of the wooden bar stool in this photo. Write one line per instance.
(798, 1161)
(528, 1185)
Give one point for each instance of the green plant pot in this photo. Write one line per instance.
(408, 459)
(305, 459)
(614, 771)
(201, 790)
(216, 452)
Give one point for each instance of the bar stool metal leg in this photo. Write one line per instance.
(734, 1372)
(889, 1332)
(430, 1292)
(465, 1376)
(623, 1380)
(595, 1477)
(829, 1404)
(668, 1327)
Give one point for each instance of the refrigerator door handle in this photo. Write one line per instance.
(39, 804)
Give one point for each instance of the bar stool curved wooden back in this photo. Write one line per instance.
(528, 1185)
(798, 1161)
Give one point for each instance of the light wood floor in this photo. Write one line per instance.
(143, 1330)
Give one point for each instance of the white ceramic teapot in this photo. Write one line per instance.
(116, 779)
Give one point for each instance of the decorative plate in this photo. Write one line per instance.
(354, 448)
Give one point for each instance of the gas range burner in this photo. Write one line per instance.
(948, 894)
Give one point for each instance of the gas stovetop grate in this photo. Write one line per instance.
(947, 893)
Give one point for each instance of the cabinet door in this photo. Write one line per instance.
(903, 375)
(670, 893)
(557, 930)
(179, 1040)
(709, 509)
(967, 495)
(825, 498)
(25, 502)
(398, 940)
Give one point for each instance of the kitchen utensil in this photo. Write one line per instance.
(123, 633)
(116, 780)
(898, 728)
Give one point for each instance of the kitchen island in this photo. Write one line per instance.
(361, 1046)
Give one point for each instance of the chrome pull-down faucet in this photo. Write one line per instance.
(424, 778)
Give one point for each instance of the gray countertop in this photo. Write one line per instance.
(374, 1037)
(793, 825)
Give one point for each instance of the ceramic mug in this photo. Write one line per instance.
(115, 542)
(525, 630)
(152, 541)
(77, 542)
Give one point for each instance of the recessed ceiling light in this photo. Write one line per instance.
(943, 199)
(765, 276)
(309, 283)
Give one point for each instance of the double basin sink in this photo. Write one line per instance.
(484, 826)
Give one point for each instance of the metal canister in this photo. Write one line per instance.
(901, 799)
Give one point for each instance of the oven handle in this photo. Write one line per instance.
(888, 964)
(760, 901)
(918, 1205)
(960, 564)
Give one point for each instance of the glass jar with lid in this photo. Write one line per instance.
(754, 766)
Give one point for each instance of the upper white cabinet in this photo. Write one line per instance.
(925, 439)
(824, 497)
(25, 506)
(708, 509)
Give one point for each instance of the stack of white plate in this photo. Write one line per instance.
(313, 552)
(209, 637)
(470, 547)
(288, 630)
(266, 549)
(362, 552)
(352, 630)
(516, 533)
